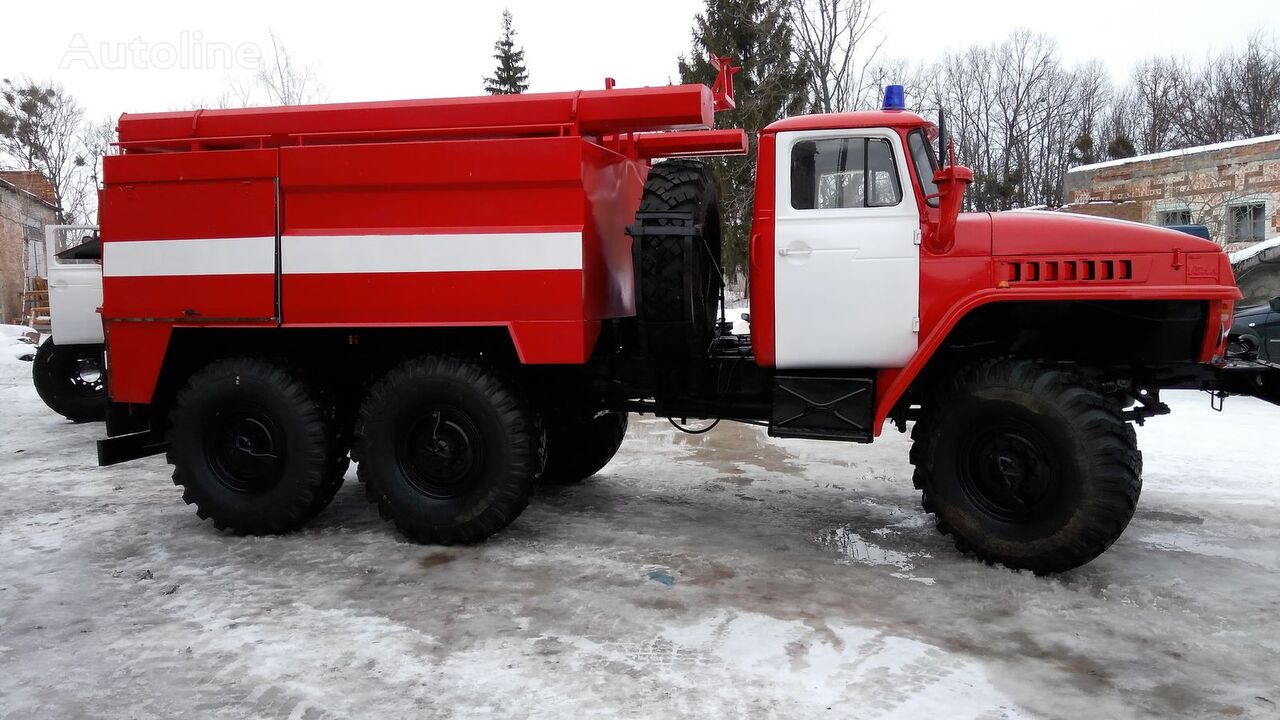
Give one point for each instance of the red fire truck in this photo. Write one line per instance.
(468, 296)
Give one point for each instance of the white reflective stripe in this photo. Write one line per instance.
(458, 252)
(203, 256)
(455, 252)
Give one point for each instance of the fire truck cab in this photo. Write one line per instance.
(469, 296)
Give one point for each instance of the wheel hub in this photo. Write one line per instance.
(247, 450)
(86, 375)
(1006, 471)
(440, 452)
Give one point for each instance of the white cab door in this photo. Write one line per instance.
(75, 288)
(846, 253)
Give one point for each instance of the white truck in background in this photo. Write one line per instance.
(69, 370)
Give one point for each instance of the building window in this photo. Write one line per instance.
(1247, 223)
(33, 246)
(1165, 218)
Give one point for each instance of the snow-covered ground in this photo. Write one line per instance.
(723, 575)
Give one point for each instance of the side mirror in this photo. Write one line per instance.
(952, 181)
(1275, 303)
(746, 317)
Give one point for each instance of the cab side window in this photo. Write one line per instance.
(843, 173)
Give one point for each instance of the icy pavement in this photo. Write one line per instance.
(723, 575)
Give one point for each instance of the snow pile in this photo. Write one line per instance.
(17, 342)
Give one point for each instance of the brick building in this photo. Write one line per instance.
(1233, 188)
(27, 204)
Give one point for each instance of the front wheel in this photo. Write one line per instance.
(1026, 466)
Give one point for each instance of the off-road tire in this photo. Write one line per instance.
(578, 448)
(57, 374)
(1042, 426)
(678, 278)
(286, 419)
(448, 450)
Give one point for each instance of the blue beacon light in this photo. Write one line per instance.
(894, 98)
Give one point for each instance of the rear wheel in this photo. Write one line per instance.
(71, 380)
(579, 447)
(448, 450)
(251, 447)
(1026, 466)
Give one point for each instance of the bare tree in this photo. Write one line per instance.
(1158, 85)
(1121, 126)
(835, 39)
(235, 94)
(917, 79)
(39, 130)
(1230, 95)
(1018, 116)
(1093, 95)
(1205, 108)
(280, 80)
(1257, 73)
(96, 142)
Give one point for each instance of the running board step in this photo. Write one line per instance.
(823, 407)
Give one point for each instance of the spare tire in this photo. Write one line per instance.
(677, 260)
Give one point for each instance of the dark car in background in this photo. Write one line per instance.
(1257, 329)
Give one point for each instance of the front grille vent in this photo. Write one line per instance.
(1077, 270)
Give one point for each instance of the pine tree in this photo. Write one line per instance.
(757, 34)
(511, 77)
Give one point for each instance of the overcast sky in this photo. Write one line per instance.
(371, 50)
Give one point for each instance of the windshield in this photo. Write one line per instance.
(926, 164)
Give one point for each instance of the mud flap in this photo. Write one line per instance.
(823, 407)
(129, 435)
(123, 448)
